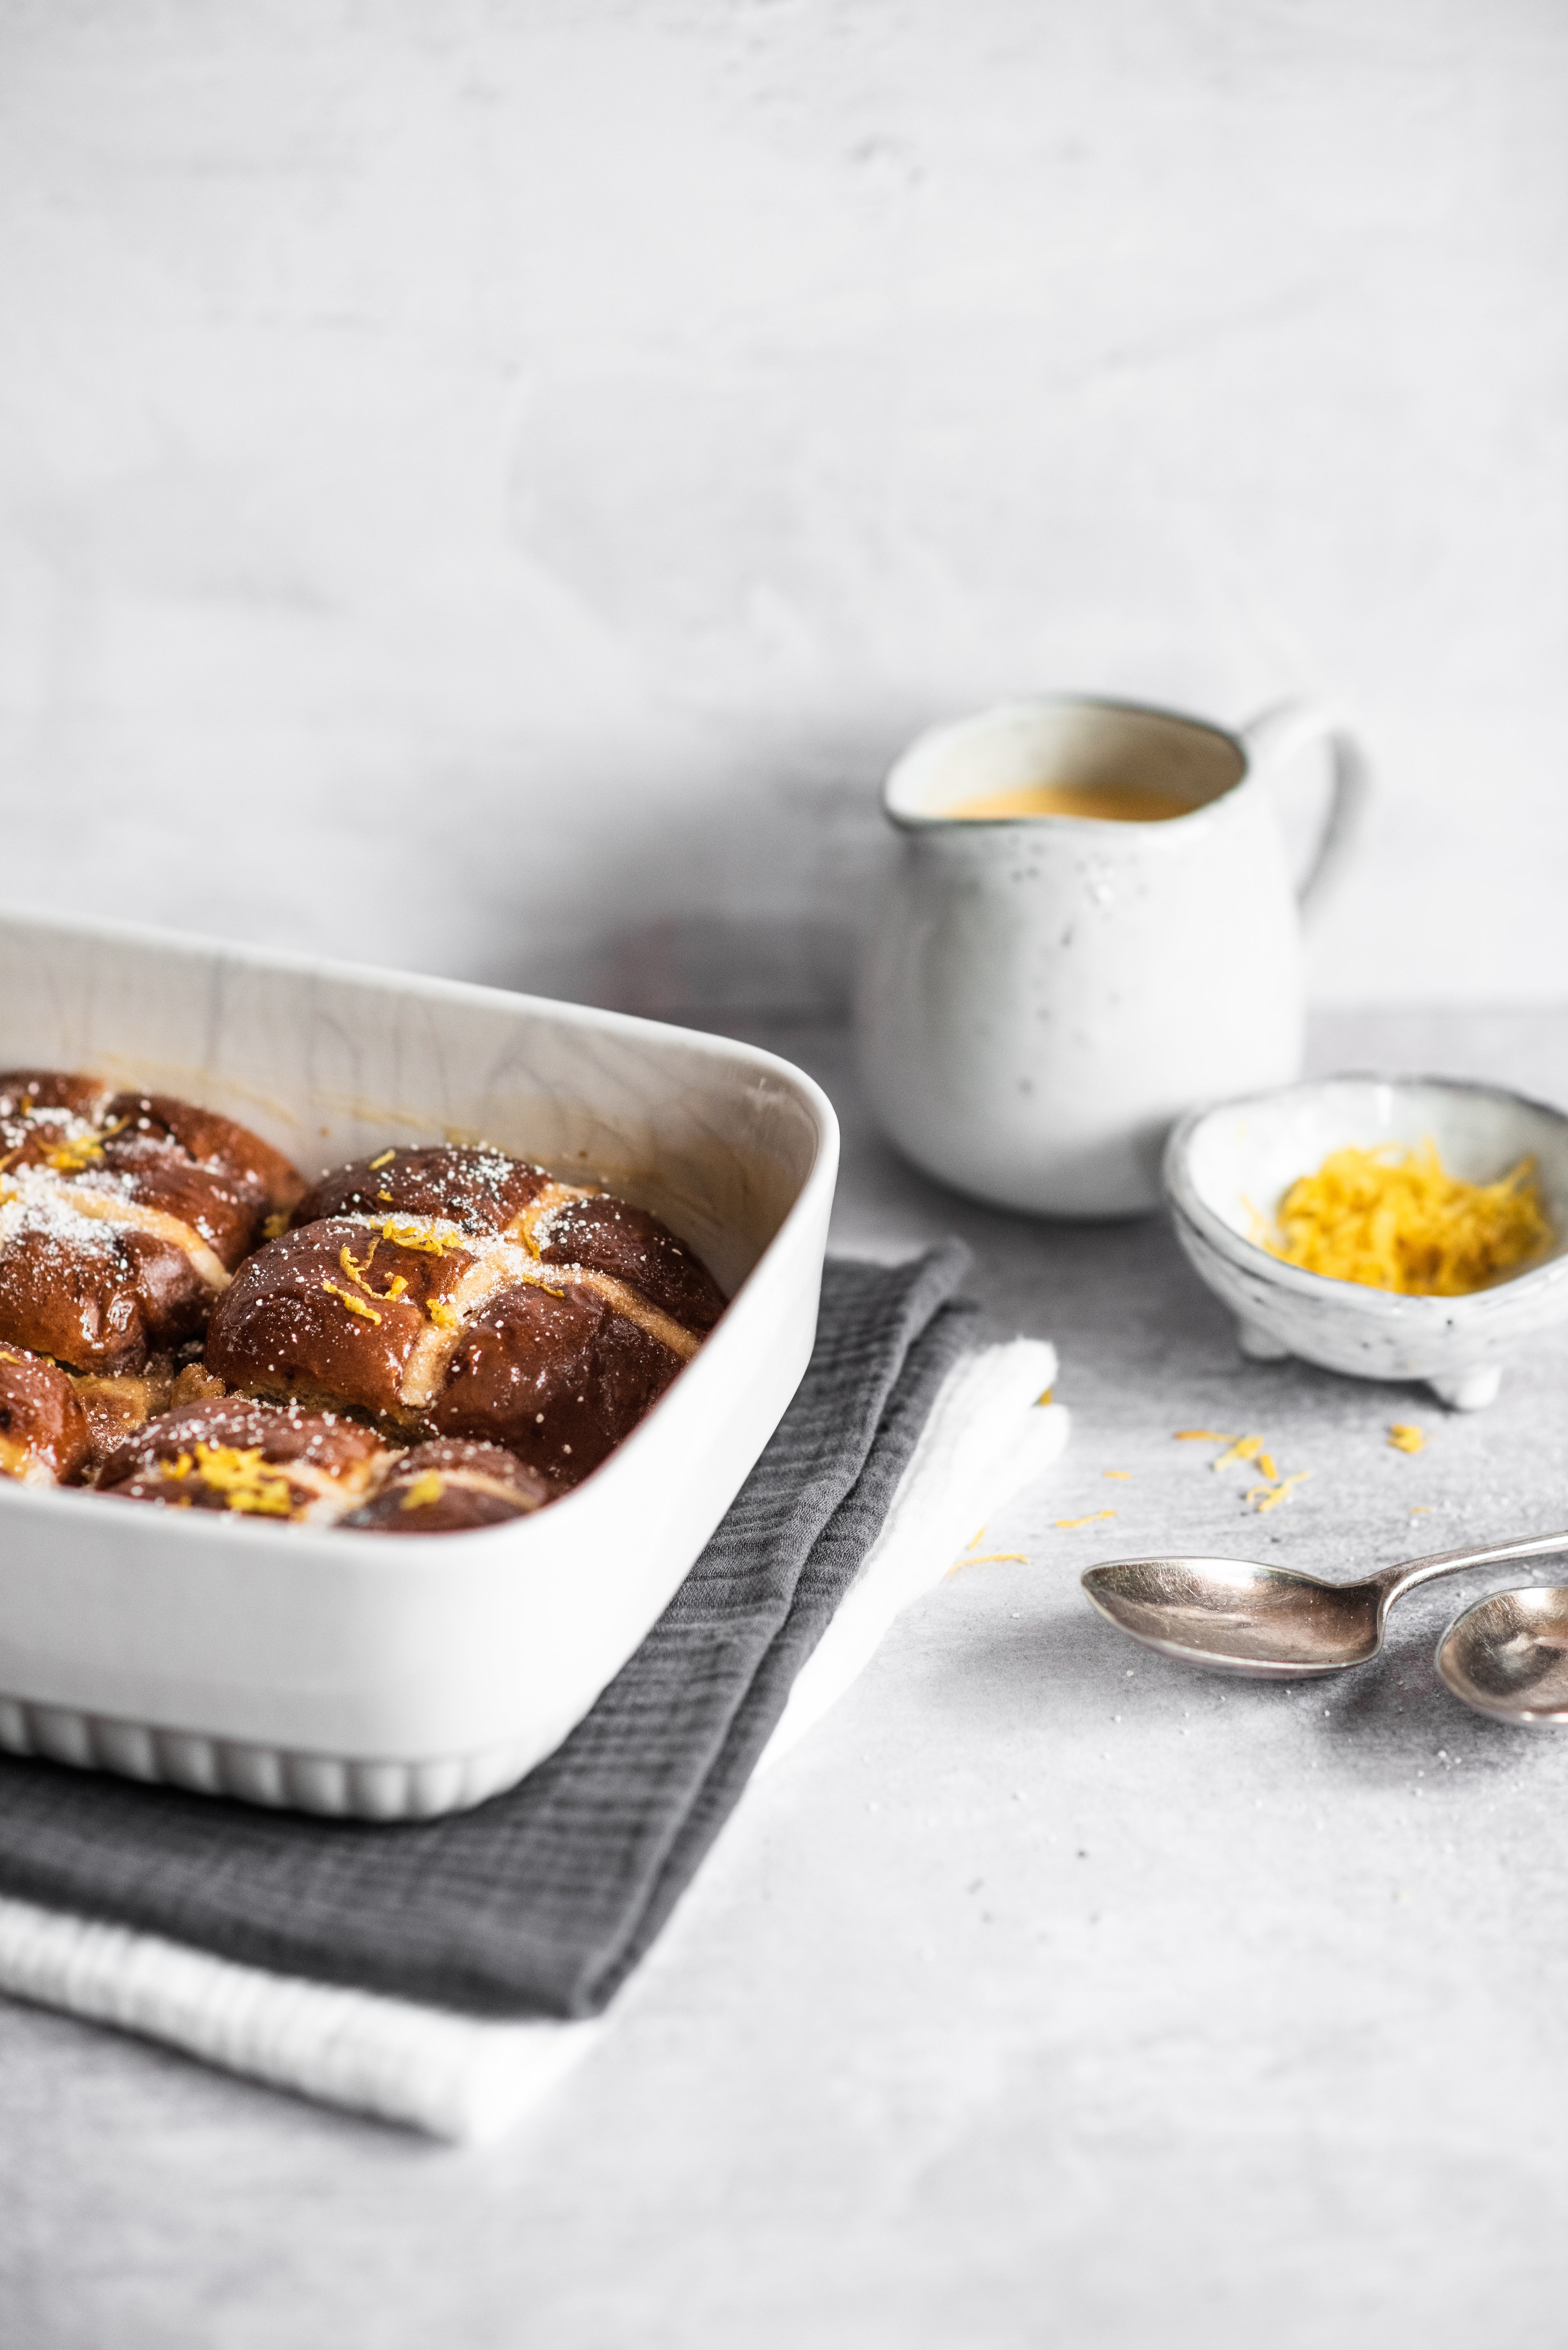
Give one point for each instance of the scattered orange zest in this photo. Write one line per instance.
(1274, 1496)
(74, 1157)
(354, 1304)
(247, 1482)
(1089, 1520)
(357, 1268)
(409, 1232)
(1396, 1219)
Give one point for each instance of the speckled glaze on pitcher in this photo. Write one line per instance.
(1043, 995)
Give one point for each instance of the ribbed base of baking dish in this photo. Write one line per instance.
(274, 1775)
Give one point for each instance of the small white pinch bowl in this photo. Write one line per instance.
(1230, 1163)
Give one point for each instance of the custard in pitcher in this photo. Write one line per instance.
(1109, 803)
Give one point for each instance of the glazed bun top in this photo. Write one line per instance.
(75, 1126)
(486, 1193)
(44, 1434)
(460, 1294)
(265, 1461)
(481, 1191)
(122, 1216)
(425, 1341)
(248, 1458)
(219, 1146)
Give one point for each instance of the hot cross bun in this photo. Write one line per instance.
(122, 1217)
(44, 1434)
(230, 1454)
(463, 1293)
(267, 1461)
(448, 1487)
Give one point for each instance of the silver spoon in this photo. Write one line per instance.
(1509, 1655)
(1265, 1621)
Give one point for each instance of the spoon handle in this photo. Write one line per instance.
(1394, 1582)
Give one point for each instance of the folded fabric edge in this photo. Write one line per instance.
(450, 2075)
(990, 1434)
(467, 2079)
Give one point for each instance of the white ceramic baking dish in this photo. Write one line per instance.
(330, 1672)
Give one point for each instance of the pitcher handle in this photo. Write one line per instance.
(1289, 726)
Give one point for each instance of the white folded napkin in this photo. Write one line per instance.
(465, 2078)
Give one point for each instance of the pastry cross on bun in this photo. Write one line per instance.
(463, 1293)
(487, 1193)
(122, 1216)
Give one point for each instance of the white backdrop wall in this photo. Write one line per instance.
(489, 486)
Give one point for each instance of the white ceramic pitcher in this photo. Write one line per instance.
(1044, 994)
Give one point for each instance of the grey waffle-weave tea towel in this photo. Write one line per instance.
(541, 1900)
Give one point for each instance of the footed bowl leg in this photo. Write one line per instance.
(1259, 1346)
(1469, 1390)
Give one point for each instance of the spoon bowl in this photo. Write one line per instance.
(1508, 1656)
(1237, 1618)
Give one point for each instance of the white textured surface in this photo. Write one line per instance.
(453, 2075)
(481, 484)
(1032, 2004)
